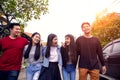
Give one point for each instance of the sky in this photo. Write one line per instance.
(66, 16)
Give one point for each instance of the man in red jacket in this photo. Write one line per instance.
(12, 50)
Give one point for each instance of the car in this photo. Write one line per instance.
(111, 54)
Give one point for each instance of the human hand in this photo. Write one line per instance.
(62, 44)
(104, 69)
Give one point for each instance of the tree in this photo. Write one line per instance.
(22, 10)
(107, 27)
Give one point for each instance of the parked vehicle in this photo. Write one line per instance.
(111, 54)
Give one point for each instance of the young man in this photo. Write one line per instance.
(12, 49)
(89, 49)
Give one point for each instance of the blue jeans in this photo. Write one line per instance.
(33, 71)
(9, 75)
(69, 72)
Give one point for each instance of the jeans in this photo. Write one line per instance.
(83, 72)
(33, 71)
(9, 75)
(69, 72)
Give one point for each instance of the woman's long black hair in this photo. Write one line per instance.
(37, 50)
(72, 47)
(49, 43)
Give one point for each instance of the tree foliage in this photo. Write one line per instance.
(22, 10)
(107, 27)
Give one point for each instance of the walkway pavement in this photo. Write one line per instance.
(22, 75)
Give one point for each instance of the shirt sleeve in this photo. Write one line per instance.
(77, 47)
(100, 53)
(27, 42)
(0, 44)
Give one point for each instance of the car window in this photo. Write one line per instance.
(116, 47)
(107, 49)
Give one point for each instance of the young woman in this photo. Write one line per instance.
(50, 69)
(69, 58)
(33, 52)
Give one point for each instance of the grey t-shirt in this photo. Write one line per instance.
(31, 59)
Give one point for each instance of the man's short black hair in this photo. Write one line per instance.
(13, 24)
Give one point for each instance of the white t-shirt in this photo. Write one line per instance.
(53, 54)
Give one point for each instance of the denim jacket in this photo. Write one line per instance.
(46, 60)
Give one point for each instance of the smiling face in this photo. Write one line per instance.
(67, 40)
(36, 38)
(15, 31)
(86, 28)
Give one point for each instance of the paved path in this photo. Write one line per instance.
(22, 75)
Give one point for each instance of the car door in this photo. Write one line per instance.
(113, 61)
(107, 51)
(114, 57)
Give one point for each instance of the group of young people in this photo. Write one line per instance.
(52, 62)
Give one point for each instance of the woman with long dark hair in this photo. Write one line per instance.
(50, 69)
(69, 58)
(33, 52)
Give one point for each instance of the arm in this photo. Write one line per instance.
(59, 56)
(100, 55)
(0, 47)
(45, 60)
(0, 44)
(77, 47)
